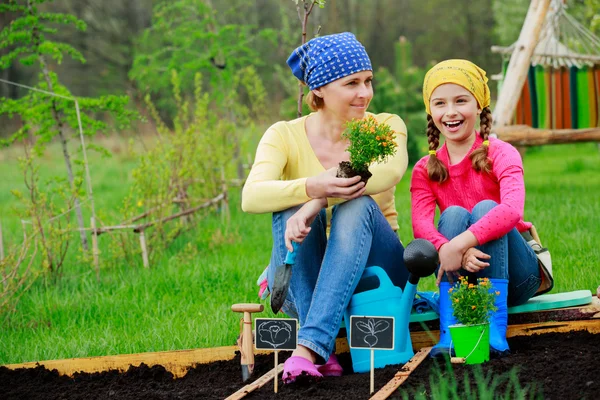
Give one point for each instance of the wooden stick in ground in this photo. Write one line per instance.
(257, 384)
(1, 244)
(276, 378)
(95, 251)
(402, 375)
(144, 250)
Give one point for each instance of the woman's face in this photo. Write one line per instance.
(454, 111)
(348, 97)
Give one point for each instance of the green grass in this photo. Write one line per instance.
(183, 301)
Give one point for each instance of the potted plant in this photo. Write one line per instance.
(472, 305)
(370, 141)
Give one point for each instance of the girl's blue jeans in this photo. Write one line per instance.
(511, 256)
(327, 270)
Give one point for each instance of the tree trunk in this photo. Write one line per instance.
(63, 139)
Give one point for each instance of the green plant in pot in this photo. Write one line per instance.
(472, 305)
(370, 141)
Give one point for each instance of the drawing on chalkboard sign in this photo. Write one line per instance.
(372, 328)
(275, 333)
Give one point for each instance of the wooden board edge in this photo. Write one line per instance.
(179, 361)
(402, 375)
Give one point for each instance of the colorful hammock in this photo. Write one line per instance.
(562, 90)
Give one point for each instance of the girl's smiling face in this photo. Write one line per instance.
(455, 112)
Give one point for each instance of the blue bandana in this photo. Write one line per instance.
(327, 58)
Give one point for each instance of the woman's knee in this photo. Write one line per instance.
(356, 207)
(482, 208)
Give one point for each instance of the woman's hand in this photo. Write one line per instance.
(298, 225)
(327, 184)
(472, 260)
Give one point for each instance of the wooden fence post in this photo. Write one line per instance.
(144, 249)
(95, 251)
(225, 207)
(1, 244)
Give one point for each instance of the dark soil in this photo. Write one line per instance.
(550, 366)
(345, 170)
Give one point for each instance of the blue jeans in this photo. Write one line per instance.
(327, 270)
(511, 256)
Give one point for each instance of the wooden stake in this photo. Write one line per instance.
(1, 244)
(225, 206)
(95, 251)
(516, 73)
(144, 249)
(372, 387)
(276, 378)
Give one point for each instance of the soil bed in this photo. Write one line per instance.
(550, 366)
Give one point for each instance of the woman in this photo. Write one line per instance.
(341, 224)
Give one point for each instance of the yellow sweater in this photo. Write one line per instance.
(285, 159)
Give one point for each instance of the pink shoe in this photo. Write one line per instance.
(296, 366)
(331, 368)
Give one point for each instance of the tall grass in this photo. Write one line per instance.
(183, 301)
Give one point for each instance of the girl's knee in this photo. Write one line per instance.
(482, 208)
(455, 212)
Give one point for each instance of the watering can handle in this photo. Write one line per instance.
(384, 279)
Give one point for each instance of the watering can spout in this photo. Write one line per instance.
(421, 259)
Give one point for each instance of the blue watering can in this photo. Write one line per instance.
(376, 295)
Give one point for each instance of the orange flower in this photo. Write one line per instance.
(384, 144)
(473, 307)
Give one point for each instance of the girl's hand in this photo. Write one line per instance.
(450, 262)
(327, 184)
(451, 255)
(298, 225)
(471, 260)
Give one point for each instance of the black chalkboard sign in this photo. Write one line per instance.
(276, 333)
(372, 332)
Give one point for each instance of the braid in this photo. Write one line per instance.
(435, 168)
(479, 157)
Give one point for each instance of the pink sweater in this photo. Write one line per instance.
(465, 187)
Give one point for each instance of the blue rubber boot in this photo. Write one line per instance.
(444, 346)
(499, 320)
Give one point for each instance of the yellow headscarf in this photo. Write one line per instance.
(460, 72)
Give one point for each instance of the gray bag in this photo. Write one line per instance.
(544, 260)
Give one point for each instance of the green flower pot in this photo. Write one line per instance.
(471, 342)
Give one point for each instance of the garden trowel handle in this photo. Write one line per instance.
(246, 341)
(290, 257)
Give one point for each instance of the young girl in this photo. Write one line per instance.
(477, 183)
(342, 224)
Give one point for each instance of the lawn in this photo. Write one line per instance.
(183, 301)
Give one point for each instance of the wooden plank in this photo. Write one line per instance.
(402, 375)
(585, 312)
(422, 335)
(177, 362)
(523, 135)
(257, 384)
